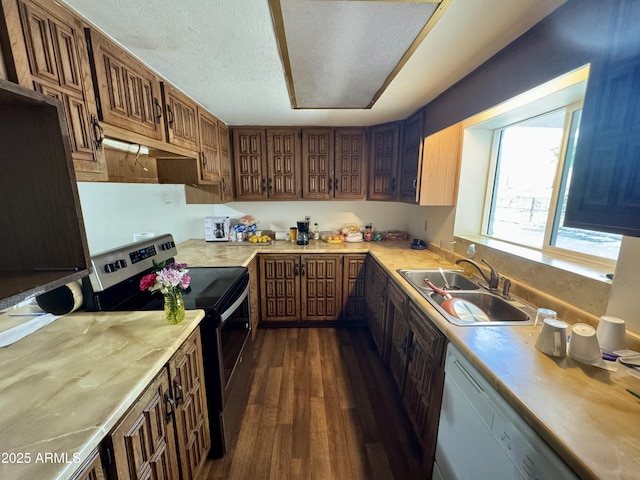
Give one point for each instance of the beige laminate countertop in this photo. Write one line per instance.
(63, 388)
(583, 412)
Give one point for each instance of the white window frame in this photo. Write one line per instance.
(546, 248)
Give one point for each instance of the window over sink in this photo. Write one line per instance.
(525, 149)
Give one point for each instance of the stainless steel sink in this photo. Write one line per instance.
(501, 311)
(455, 279)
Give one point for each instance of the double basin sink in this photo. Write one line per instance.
(498, 310)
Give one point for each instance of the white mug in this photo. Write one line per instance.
(584, 345)
(611, 333)
(552, 339)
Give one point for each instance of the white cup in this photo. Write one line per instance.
(611, 333)
(583, 345)
(553, 338)
(543, 313)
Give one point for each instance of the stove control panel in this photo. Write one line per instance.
(119, 264)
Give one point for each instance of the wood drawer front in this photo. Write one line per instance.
(397, 296)
(433, 339)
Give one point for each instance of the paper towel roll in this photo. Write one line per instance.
(143, 236)
(62, 300)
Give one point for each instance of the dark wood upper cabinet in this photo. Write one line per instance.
(50, 56)
(210, 168)
(226, 164)
(283, 163)
(384, 147)
(128, 92)
(412, 138)
(317, 163)
(181, 118)
(350, 165)
(604, 194)
(250, 163)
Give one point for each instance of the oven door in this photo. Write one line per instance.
(228, 365)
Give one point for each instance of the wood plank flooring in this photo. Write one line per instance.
(322, 406)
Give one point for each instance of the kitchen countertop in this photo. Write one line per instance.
(583, 412)
(64, 387)
(54, 382)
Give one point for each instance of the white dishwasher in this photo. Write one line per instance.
(480, 436)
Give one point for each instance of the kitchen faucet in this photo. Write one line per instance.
(492, 280)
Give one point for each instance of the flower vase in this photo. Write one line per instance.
(174, 307)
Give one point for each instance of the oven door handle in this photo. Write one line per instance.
(229, 311)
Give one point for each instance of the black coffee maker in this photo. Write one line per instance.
(303, 233)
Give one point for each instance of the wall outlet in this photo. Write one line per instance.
(425, 225)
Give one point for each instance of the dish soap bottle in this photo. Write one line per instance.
(316, 232)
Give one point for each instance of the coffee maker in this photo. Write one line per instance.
(217, 229)
(303, 233)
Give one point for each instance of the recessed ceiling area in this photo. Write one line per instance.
(344, 53)
(224, 54)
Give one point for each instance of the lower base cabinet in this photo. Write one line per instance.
(165, 434)
(91, 469)
(311, 288)
(416, 351)
(375, 296)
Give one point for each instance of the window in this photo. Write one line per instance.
(533, 160)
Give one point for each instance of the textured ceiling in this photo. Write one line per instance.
(224, 54)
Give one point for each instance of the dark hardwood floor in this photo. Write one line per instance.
(322, 406)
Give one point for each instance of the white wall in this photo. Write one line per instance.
(113, 212)
(624, 300)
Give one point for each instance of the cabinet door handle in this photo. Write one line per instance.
(296, 271)
(303, 271)
(264, 185)
(204, 159)
(158, 108)
(270, 184)
(335, 185)
(98, 133)
(224, 185)
(169, 406)
(178, 391)
(330, 183)
(170, 116)
(393, 184)
(415, 183)
(404, 344)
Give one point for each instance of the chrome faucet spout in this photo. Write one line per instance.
(492, 280)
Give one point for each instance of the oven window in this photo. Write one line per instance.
(233, 335)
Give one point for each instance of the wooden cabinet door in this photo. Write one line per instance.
(350, 179)
(59, 66)
(250, 164)
(192, 420)
(129, 93)
(210, 168)
(226, 165)
(180, 118)
(424, 380)
(353, 287)
(317, 163)
(400, 342)
(280, 288)
(91, 469)
(396, 306)
(375, 297)
(283, 164)
(254, 295)
(605, 181)
(383, 163)
(321, 277)
(143, 442)
(413, 133)
(439, 167)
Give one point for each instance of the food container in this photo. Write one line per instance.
(396, 235)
